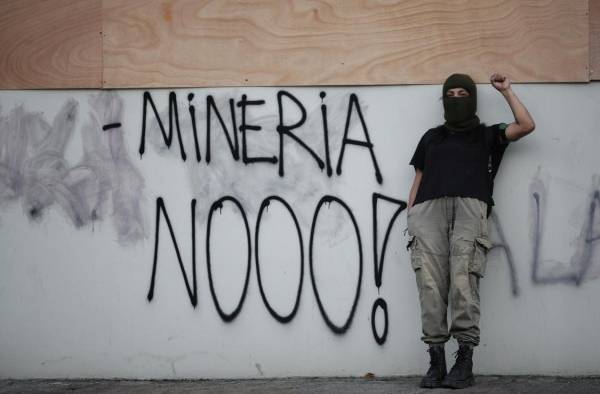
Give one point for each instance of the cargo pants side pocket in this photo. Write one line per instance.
(416, 253)
(479, 261)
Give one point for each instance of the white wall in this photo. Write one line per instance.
(77, 235)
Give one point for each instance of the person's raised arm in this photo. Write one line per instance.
(523, 123)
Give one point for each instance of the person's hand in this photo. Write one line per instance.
(500, 82)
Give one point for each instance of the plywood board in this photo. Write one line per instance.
(50, 44)
(237, 43)
(595, 39)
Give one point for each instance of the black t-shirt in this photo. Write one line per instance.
(459, 163)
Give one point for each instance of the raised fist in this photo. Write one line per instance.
(500, 82)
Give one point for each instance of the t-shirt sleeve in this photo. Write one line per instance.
(418, 159)
(498, 140)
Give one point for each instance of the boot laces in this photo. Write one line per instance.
(461, 356)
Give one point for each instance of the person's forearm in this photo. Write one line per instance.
(411, 196)
(414, 188)
(522, 116)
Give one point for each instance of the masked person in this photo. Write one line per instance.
(449, 204)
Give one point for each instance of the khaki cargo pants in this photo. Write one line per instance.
(448, 246)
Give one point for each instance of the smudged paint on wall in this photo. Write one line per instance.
(33, 167)
(585, 262)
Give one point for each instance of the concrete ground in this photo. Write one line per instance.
(484, 384)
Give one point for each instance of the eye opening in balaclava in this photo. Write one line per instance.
(460, 112)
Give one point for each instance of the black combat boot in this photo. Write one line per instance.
(461, 374)
(437, 370)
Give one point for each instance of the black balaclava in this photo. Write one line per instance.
(459, 112)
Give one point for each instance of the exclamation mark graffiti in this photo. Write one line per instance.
(378, 260)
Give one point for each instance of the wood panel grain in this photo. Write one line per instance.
(50, 44)
(174, 43)
(595, 39)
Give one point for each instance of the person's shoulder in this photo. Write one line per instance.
(432, 132)
(435, 129)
